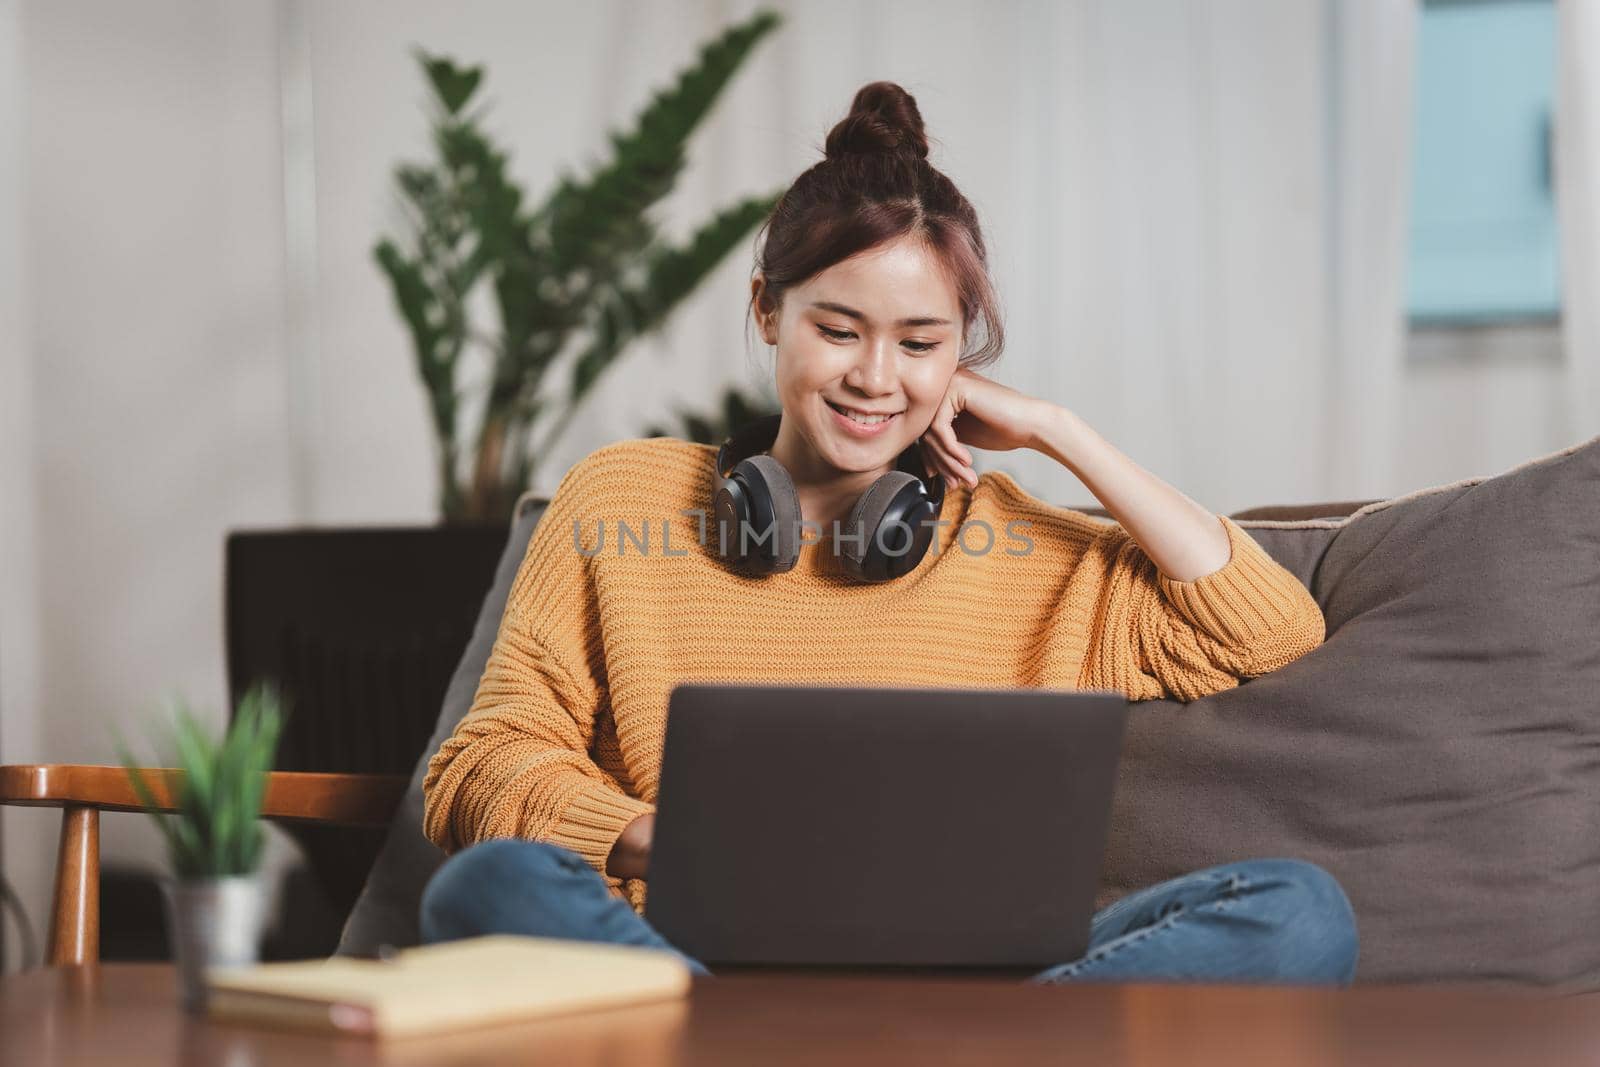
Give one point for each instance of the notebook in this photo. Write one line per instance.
(450, 985)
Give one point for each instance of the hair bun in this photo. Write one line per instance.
(883, 118)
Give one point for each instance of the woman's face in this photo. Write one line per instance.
(878, 334)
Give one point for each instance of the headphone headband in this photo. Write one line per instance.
(758, 435)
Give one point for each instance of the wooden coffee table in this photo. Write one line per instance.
(127, 1014)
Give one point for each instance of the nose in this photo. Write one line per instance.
(874, 373)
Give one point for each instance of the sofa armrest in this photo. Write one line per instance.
(345, 799)
(82, 792)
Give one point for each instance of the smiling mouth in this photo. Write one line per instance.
(862, 417)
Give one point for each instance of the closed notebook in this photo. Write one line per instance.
(450, 985)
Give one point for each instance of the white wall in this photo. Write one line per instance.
(172, 365)
(152, 383)
(19, 665)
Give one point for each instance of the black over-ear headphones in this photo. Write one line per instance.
(758, 513)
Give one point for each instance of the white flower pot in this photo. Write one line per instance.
(212, 923)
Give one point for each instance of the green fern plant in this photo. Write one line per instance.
(584, 272)
(734, 410)
(216, 829)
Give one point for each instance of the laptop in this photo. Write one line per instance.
(882, 827)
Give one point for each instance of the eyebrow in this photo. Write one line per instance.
(926, 320)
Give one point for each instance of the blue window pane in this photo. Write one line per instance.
(1483, 226)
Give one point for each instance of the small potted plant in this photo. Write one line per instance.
(215, 901)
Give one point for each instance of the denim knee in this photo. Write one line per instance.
(1316, 926)
(467, 886)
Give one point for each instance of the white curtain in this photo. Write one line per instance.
(1372, 70)
(1194, 207)
(1578, 204)
(1165, 255)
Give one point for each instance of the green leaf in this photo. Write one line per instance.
(216, 827)
(453, 85)
(737, 409)
(146, 795)
(699, 429)
(600, 217)
(671, 274)
(196, 757)
(190, 857)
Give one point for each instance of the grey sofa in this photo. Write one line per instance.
(1440, 753)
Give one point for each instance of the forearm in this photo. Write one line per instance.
(479, 788)
(1186, 541)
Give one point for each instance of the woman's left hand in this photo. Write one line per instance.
(982, 413)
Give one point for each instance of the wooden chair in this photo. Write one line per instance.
(82, 792)
(360, 628)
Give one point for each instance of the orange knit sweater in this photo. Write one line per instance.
(563, 739)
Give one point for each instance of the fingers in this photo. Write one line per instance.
(952, 457)
(952, 444)
(943, 428)
(953, 469)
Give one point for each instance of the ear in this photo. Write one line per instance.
(765, 321)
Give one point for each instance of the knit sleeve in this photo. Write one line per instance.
(1153, 636)
(519, 763)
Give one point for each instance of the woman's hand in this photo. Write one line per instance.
(984, 414)
(630, 856)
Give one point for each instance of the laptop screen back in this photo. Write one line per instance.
(889, 827)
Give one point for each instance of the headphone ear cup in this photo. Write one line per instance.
(765, 538)
(888, 528)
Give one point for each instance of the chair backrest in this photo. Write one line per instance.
(360, 628)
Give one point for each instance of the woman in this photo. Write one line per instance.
(871, 283)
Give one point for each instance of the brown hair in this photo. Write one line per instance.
(876, 185)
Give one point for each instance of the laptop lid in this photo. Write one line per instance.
(877, 826)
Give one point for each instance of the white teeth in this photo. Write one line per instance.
(865, 420)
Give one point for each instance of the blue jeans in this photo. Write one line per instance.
(1256, 921)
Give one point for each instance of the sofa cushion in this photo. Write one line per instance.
(1439, 753)
(1432, 754)
(386, 911)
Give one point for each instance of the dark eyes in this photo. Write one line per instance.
(844, 335)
